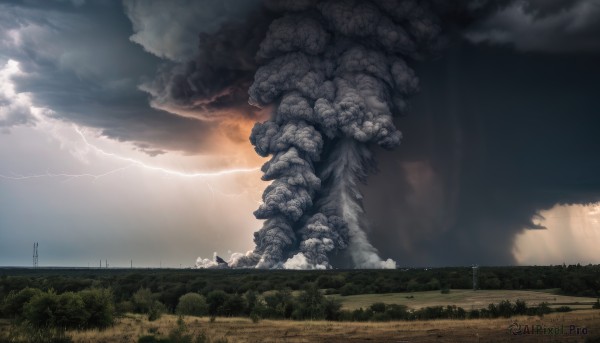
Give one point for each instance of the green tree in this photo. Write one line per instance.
(71, 312)
(40, 311)
(310, 302)
(215, 301)
(377, 307)
(234, 305)
(332, 308)
(251, 301)
(14, 302)
(142, 300)
(192, 304)
(100, 305)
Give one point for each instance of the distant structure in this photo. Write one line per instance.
(35, 255)
(475, 277)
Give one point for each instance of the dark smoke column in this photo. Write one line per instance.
(336, 74)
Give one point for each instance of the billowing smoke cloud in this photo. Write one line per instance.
(336, 73)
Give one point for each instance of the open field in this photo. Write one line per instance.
(466, 299)
(130, 328)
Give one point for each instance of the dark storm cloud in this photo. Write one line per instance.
(211, 46)
(214, 83)
(493, 138)
(77, 62)
(537, 25)
(170, 29)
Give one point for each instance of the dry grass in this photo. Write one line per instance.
(243, 330)
(466, 299)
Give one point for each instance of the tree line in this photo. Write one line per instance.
(171, 284)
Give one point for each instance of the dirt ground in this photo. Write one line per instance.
(557, 328)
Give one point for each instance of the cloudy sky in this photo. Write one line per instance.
(124, 136)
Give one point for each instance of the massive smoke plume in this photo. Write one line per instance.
(336, 73)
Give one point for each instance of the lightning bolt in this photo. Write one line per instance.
(62, 175)
(131, 162)
(160, 169)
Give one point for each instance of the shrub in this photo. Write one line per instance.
(14, 302)
(310, 303)
(520, 307)
(100, 306)
(142, 300)
(71, 312)
(331, 308)
(192, 304)
(543, 309)
(215, 301)
(350, 289)
(378, 307)
(596, 304)
(234, 305)
(505, 309)
(40, 311)
(156, 310)
(180, 333)
(563, 309)
(397, 312)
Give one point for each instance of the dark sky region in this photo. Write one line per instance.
(125, 134)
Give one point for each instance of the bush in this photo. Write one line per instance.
(310, 303)
(397, 312)
(40, 311)
(378, 307)
(192, 304)
(474, 314)
(563, 309)
(146, 303)
(71, 312)
(215, 301)
(142, 300)
(505, 309)
(180, 334)
(350, 289)
(234, 305)
(543, 309)
(14, 302)
(445, 290)
(596, 304)
(332, 307)
(520, 307)
(100, 306)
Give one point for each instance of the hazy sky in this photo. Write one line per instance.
(106, 154)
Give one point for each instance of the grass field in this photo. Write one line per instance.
(466, 299)
(130, 328)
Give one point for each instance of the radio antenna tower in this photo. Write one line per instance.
(35, 255)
